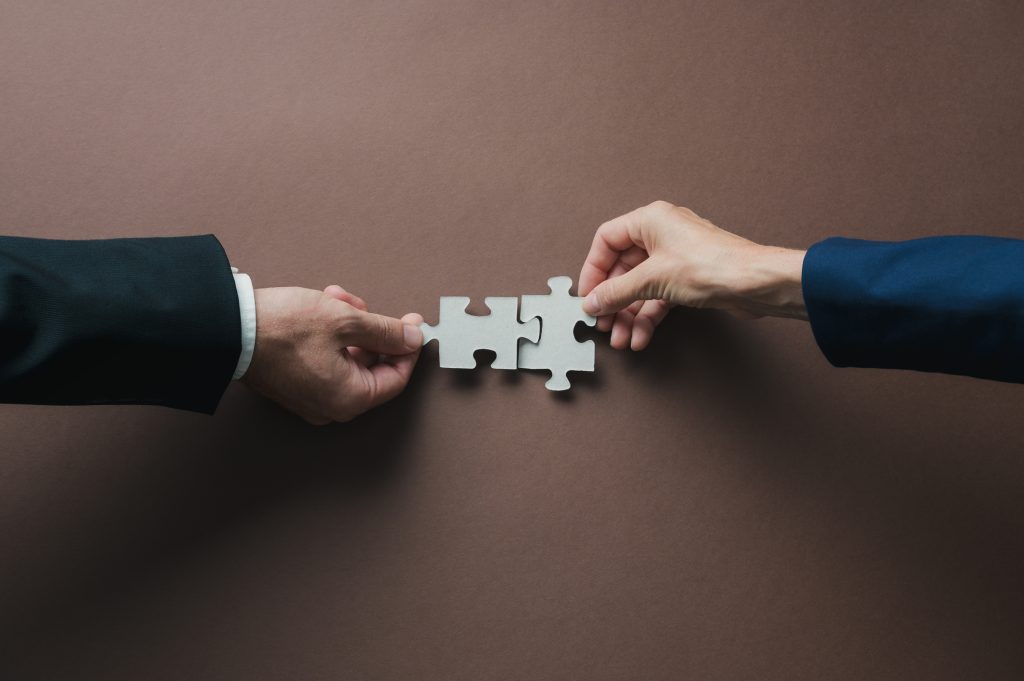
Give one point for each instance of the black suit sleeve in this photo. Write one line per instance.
(117, 321)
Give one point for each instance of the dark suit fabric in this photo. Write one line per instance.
(947, 304)
(117, 321)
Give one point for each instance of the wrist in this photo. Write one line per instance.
(260, 340)
(768, 283)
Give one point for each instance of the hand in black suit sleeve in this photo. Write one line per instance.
(140, 321)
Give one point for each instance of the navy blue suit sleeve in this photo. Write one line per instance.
(946, 304)
(117, 321)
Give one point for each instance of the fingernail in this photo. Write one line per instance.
(413, 336)
(590, 304)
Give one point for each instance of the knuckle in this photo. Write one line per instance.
(652, 286)
(387, 331)
(347, 323)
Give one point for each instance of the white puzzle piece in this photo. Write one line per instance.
(558, 350)
(460, 334)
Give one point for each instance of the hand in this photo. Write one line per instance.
(320, 354)
(661, 255)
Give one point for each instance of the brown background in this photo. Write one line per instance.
(723, 506)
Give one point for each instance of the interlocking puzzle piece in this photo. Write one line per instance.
(558, 351)
(460, 334)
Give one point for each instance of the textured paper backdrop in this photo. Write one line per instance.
(723, 506)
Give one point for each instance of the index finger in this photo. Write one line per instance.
(344, 296)
(612, 239)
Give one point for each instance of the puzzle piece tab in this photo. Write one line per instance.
(558, 351)
(460, 334)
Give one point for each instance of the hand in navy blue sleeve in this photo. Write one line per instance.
(946, 304)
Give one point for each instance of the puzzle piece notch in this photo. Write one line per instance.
(460, 334)
(557, 351)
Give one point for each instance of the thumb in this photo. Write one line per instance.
(619, 292)
(380, 334)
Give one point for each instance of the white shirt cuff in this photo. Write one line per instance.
(247, 312)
